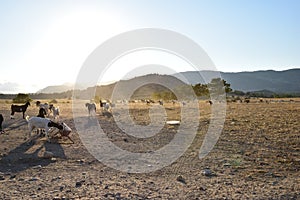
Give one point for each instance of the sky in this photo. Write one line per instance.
(46, 42)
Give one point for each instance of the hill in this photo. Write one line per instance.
(59, 88)
(276, 81)
(283, 82)
(136, 88)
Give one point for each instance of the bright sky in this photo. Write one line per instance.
(46, 42)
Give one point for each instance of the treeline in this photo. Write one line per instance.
(217, 86)
(264, 94)
(30, 96)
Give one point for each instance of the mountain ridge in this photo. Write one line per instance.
(286, 81)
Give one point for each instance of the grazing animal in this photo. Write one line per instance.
(43, 105)
(91, 108)
(44, 123)
(161, 102)
(65, 132)
(1, 120)
(55, 111)
(42, 113)
(16, 108)
(106, 106)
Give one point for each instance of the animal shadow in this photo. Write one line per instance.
(29, 155)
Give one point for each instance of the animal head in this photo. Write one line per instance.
(27, 103)
(66, 130)
(37, 103)
(56, 125)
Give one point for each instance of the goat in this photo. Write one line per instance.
(1, 120)
(42, 113)
(16, 108)
(106, 106)
(65, 132)
(55, 111)
(44, 123)
(247, 100)
(161, 102)
(43, 105)
(91, 107)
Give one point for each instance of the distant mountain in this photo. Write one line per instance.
(136, 88)
(59, 88)
(287, 81)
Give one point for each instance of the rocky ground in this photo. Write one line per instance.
(256, 157)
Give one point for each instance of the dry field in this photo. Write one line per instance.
(256, 157)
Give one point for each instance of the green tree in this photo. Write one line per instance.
(21, 98)
(219, 86)
(201, 89)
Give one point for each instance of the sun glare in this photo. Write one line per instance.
(58, 56)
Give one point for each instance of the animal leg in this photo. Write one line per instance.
(12, 115)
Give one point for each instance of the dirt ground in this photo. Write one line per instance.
(256, 157)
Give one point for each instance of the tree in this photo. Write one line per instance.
(219, 86)
(21, 98)
(201, 89)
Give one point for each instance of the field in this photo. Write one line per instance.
(256, 157)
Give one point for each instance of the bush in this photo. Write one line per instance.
(53, 101)
(21, 98)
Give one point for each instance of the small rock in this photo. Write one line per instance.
(12, 176)
(80, 161)
(78, 184)
(118, 195)
(181, 179)
(37, 167)
(33, 179)
(48, 154)
(207, 172)
(202, 188)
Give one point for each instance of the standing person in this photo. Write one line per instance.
(1, 120)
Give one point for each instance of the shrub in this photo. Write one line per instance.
(53, 101)
(21, 98)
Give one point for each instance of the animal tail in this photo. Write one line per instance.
(27, 118)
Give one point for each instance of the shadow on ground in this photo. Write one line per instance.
(26, 156)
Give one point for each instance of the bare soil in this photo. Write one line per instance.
(256, 157)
